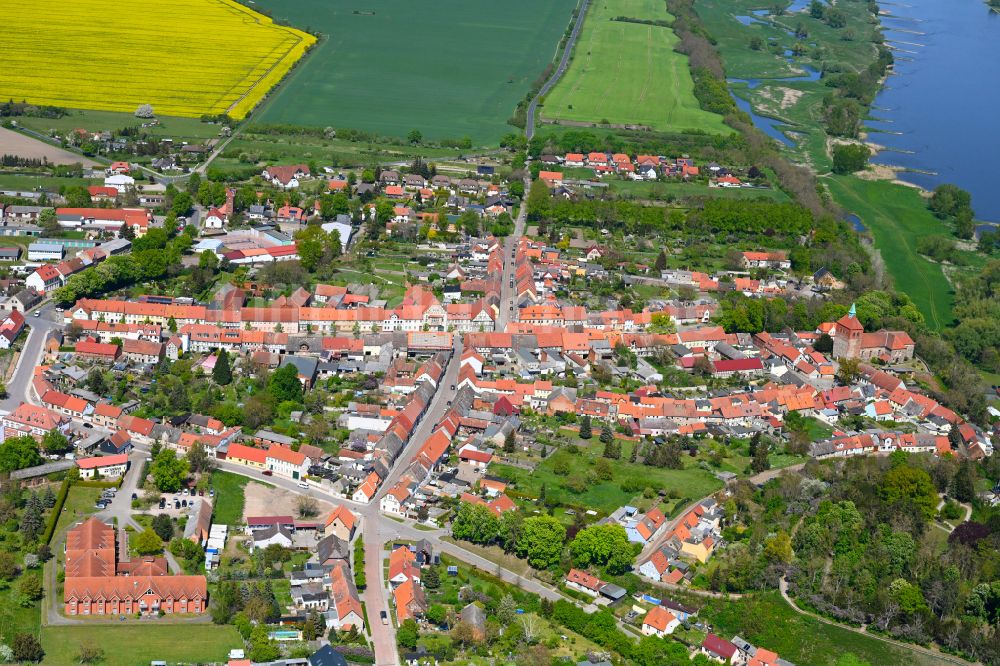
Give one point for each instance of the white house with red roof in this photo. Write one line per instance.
(286, 177)
(659, 622)
(215, 219)
(32, 420)
(719, 649)
(103, 466)
(283, 461)
(582, 581)
(10, 328)
(474, 457)
(44, 279)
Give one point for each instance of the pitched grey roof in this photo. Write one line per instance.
(332, 547)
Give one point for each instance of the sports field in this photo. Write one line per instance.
(628, 73)
(184, 57)
(448, 68)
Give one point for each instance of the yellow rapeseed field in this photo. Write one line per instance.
(184, 57)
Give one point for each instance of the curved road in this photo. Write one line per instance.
(529, 125)
(19, 384)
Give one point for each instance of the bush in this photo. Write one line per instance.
(848, 158)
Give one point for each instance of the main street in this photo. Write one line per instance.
(508, 287)
(19, 385)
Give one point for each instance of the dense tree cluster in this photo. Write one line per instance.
(856, 540)
(977, 309)
(950, 202)
(153, 256)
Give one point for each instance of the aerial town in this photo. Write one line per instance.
(583, 334)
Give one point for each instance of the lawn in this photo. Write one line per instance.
(79, 504)
(175, 66)
(605, 496)
(628, 73)
(898, 218)
(228, 500)
(450, 69)
(137, 644)
(767, 621)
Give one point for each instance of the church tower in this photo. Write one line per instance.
(847, 341)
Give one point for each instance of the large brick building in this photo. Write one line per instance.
(99, 583)
(851, 341)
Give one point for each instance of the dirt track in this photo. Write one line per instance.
(15, 143)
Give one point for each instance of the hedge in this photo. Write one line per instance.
(99, 484)
(50, 527)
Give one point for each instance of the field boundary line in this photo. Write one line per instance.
(529, 125)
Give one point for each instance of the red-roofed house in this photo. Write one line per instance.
(474, 457)
(247, 455)
(410, 601)
(45, 278)
(659, 622)
(719, 649)
(32, 420)
(286, 177)
(341, 522)
(551, 178)
(283, 461)
(90, 349)
(583, 582)
(10, 328)
(103, 466)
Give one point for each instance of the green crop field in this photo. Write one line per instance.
(450, 69)
(897, 217)
(629, 73)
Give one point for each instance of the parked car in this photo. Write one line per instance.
(303, 484)
(384, 616)
(135, 496)
(267, 472)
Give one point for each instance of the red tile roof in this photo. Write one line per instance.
(102, 461)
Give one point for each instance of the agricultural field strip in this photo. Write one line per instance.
(626, 72)
(53, 71)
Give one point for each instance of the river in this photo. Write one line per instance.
(938, 112)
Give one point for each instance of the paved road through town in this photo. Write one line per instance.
(508, 288)
(19, 385)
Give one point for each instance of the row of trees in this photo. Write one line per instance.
(542, 541)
